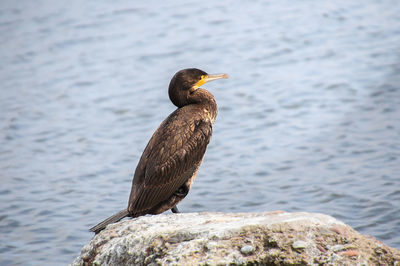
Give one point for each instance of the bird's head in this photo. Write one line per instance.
(185, 83)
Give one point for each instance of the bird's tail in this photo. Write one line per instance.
(112, 219)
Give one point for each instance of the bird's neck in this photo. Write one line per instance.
(206, 100)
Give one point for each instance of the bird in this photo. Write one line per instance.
(173, 155)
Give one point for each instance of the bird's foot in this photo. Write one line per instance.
(175, 210)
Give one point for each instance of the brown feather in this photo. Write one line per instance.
(167, 162)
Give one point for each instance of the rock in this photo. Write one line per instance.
(246, 250)
(242, 238)
(337, 248)
(299, 244)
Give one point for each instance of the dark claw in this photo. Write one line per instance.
(175, 210)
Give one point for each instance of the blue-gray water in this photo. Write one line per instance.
(308, 121)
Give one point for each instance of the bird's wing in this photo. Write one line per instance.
(173, 151)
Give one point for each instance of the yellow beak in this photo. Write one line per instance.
(210, 77)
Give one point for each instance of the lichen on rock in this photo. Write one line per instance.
(273, 238)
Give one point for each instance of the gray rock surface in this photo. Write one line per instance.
(235, 238)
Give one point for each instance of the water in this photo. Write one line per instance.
(308, 121)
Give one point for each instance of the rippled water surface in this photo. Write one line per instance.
(308, 121)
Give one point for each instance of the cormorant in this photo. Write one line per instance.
(171, 159)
